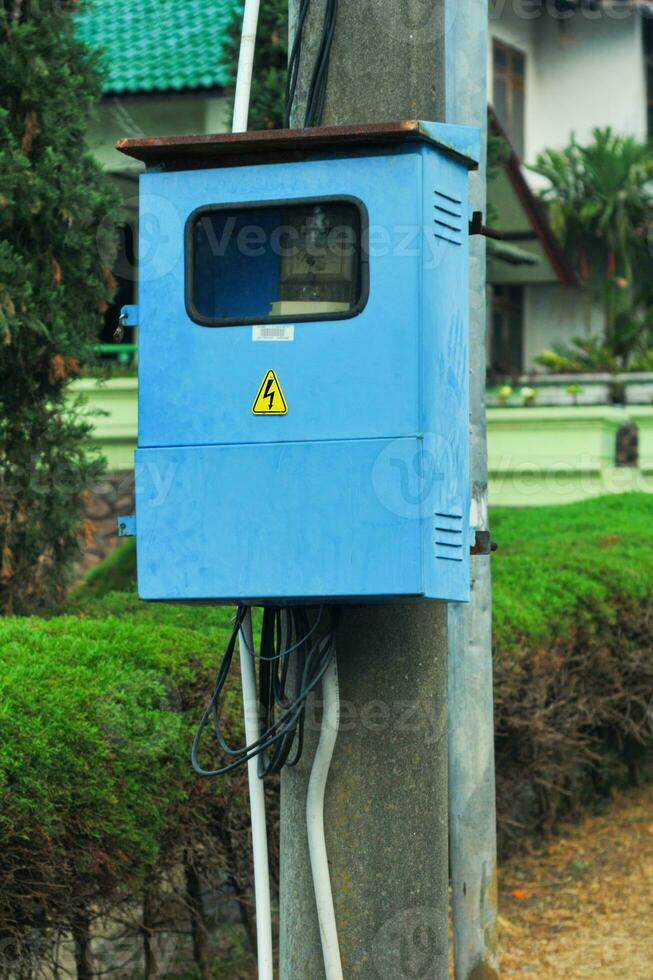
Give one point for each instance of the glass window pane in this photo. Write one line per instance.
(280, 262)
(518, 63)
(500, 100)
(507, 331)
(499, 56)
(516, 128)
(516, 343)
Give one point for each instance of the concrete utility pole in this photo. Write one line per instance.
(386, 807)
(472, 808)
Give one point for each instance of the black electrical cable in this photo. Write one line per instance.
(316, 98)
(285, 632)
(316, 95)
(285, 652)
(293, 61)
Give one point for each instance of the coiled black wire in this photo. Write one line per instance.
(286, 632)
(316, 96)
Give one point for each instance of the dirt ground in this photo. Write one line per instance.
(583, 906)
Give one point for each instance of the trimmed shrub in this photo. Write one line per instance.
(573, 608)
(573, 654)
(98, 802)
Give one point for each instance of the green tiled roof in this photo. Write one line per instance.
(158, 45)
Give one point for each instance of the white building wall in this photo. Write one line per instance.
(168, 115)
(583, 70)
(553, 314)
(589, 72)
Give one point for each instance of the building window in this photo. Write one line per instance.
(509, 73)
(507, 332)
(648, 57)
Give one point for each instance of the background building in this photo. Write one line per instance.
(165, 73)
(557, 70)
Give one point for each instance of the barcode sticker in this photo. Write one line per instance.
(274, 331)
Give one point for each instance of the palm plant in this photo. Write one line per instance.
(600, 202)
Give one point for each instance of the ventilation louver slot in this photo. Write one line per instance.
(448, 219)
(448, 536)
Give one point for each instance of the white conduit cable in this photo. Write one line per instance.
(245, 66)
(257, 805)
(315, 822)
(247, 662)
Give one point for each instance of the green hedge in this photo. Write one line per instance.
(573, 610)
(573, 646)
(569, 567)
(98, 801)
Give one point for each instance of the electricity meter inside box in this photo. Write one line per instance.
(296, 260)
(303, 365)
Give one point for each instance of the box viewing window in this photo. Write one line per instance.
(276, 262)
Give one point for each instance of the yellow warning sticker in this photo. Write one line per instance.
(270, 399)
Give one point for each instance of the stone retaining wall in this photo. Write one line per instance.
(114, 496)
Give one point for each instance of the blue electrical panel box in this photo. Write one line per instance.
(303, 427)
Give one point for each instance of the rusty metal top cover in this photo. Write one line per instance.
(224, 149)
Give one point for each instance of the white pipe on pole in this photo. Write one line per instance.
(257, 806)
(315, 823)
(245, 66)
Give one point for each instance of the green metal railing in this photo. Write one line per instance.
(124, 353)
(116, 348)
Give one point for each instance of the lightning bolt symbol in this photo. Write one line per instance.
(270, 392)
